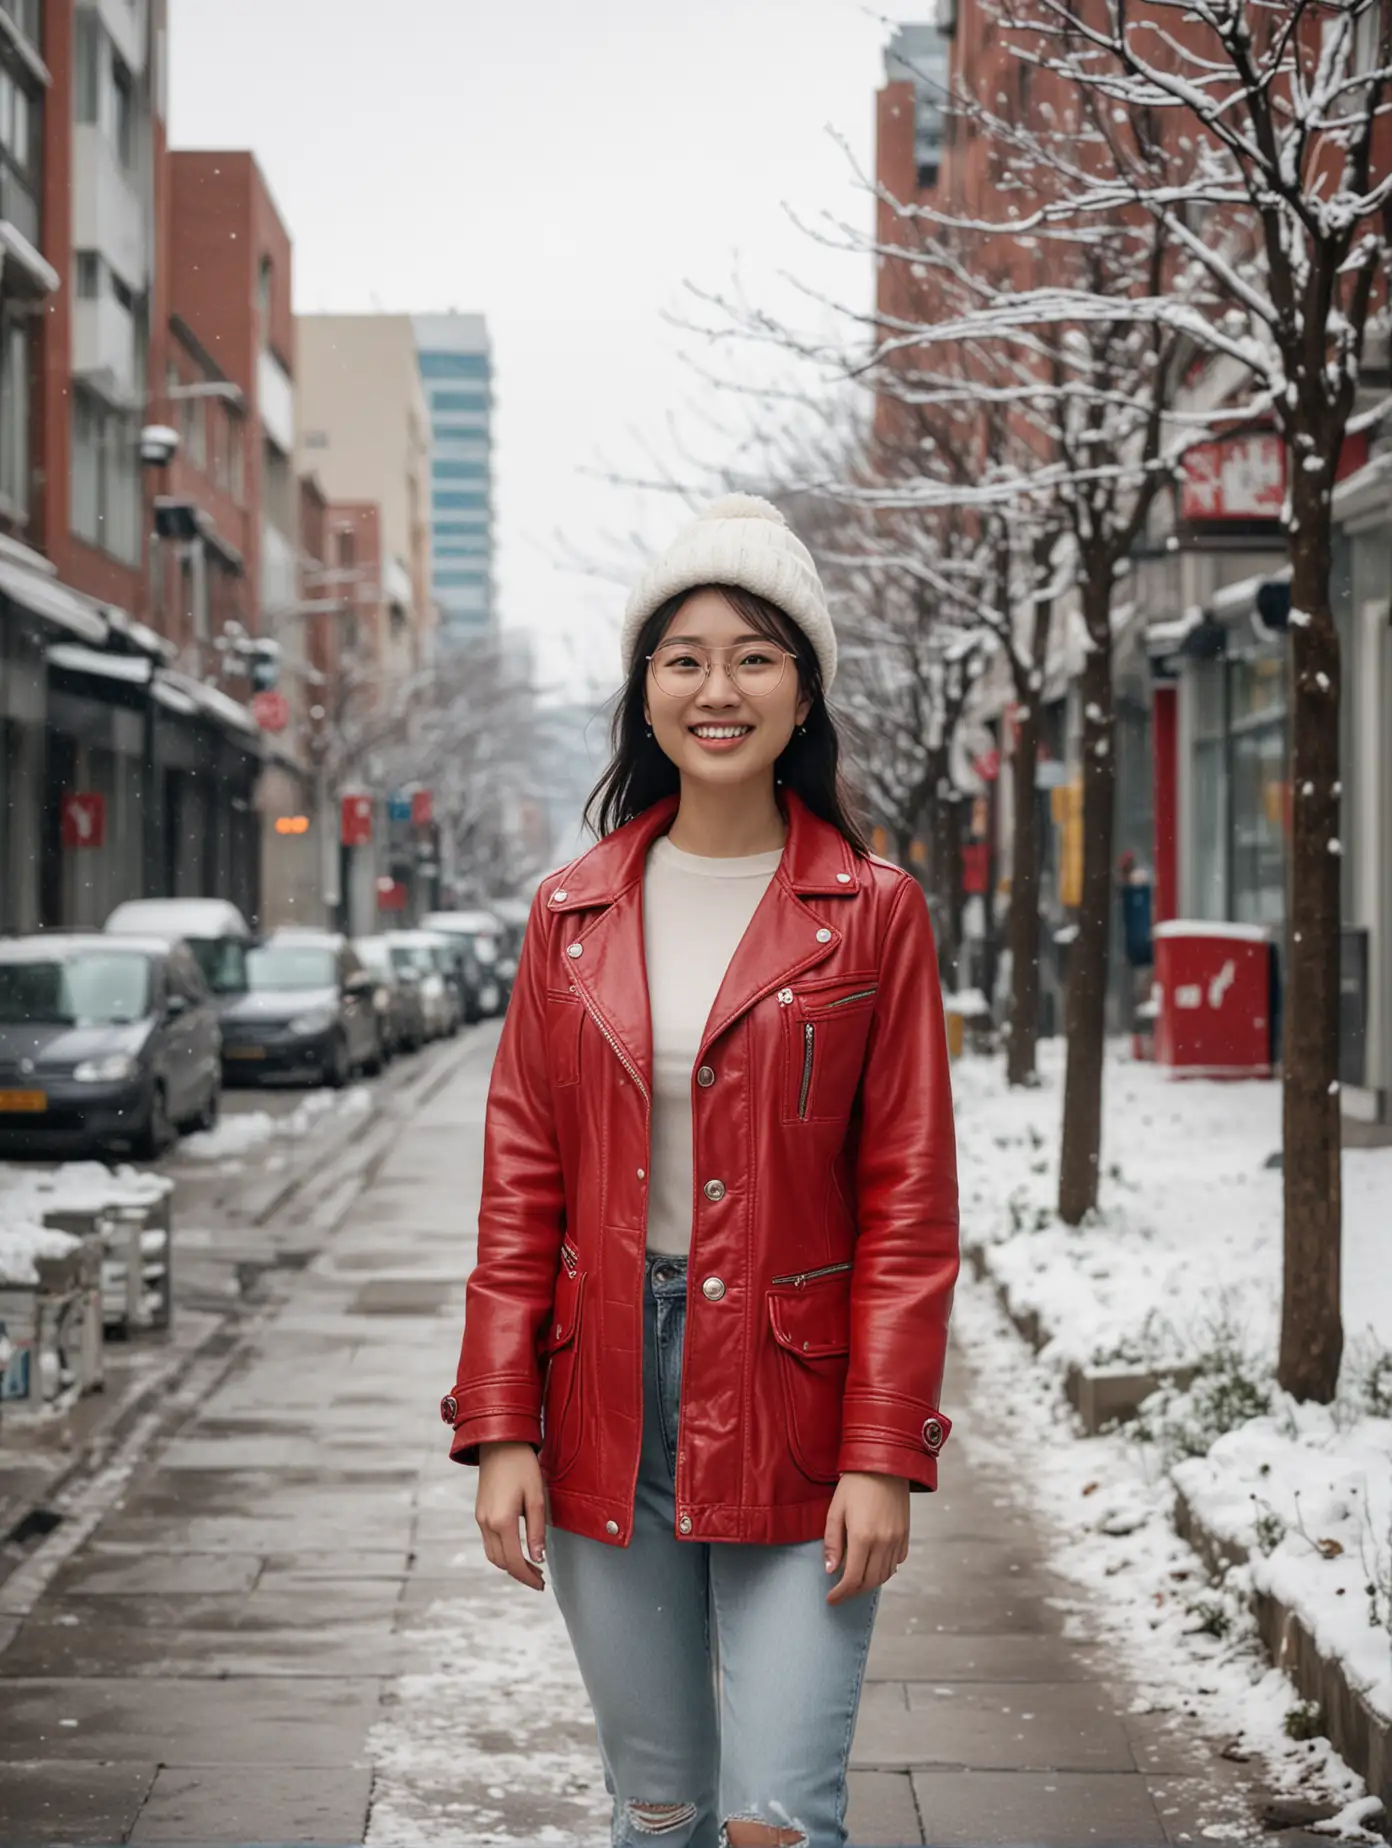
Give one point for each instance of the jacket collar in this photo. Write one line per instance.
(817, 859)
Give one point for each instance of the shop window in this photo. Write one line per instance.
(105, 477)
(14, 414)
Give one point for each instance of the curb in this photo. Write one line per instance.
(1361, 1736)
(1101, 1396)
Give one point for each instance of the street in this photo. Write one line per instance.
(267, 1617)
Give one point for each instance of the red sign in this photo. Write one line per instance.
(422, 808)
(975, 866)
(84, 819)
(1237, 478)
(391, 895)
(271, 711)
(356, 828)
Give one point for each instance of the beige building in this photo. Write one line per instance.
(364, 430)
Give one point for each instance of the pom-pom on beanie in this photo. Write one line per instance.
(742, 540)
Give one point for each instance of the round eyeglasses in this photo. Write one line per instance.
(755, 669)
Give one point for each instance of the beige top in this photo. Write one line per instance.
(695, 910)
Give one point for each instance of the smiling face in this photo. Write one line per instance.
(713, 730)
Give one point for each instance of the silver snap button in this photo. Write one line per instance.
(824, 936)
(560, 1328)
(715, 1190)
(641, 1174)
(932, 1434)
(713, 1289)
(841, 879)
(611, 1527)
(574, 949)
(559, 898)
(705, 1076)
(685, 1524)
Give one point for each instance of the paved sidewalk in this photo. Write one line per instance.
(282, 1629)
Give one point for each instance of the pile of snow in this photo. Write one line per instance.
(1311, 1503)
(21, 1243)
(1183, 1263)
(76, 1186)
(1189, 1226)
(237, 1136)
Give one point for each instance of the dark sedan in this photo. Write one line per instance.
(103, 1045)
(308, 1012)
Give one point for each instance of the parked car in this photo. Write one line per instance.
(104, 1044)
(480, 934)
(512, 914)
(213, 928)
(419, 960)
(399, 1007)
(307, 1013)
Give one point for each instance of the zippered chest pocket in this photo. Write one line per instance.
(825, 1030)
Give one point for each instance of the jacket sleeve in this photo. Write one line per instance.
(906, 1256)
(497, 1394)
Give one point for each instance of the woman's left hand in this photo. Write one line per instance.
(867, 1530)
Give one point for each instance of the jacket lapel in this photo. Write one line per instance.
(786, 935)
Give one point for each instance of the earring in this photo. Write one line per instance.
(802, 731)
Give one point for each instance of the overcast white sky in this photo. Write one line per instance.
(563, 167)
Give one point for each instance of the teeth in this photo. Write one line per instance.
(720, 731)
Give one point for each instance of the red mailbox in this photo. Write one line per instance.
(1214, 983)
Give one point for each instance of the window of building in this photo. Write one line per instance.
(264, 278)
(193, 428)
(14, 413)
(88, 55)
(1260, 787)
(122, 112)
(461, 529)
(1210, 792)
(105, 477)
(459, 400)
(463, 549)
(457, 500)
(88, 267)
(459, 580)
(454, 365)
(450, 470)
(277, 488)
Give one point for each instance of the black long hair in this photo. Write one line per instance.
(640, 773)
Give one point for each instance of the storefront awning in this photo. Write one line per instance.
(44, 596)
(131, 669)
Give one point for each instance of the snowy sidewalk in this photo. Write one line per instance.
(284, 1629)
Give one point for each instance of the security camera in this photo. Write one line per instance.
(158, 444)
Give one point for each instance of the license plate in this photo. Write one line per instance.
(244, 1052)
(30, 1102)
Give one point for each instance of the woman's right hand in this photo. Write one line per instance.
(509, 1494)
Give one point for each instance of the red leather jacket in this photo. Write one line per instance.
(824, 1238)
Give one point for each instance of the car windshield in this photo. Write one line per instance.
(279, 966)
(482, 944)
(374, 956)
(105, 988)
(412, 956)
(223, 962)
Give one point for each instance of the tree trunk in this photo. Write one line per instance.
(950, 810)
(1311, 1329)
(1022, 1047)
(1024, 903)
(1086, 1003)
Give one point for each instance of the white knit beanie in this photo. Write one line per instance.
(742, 540)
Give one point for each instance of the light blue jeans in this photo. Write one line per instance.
(721, 1680)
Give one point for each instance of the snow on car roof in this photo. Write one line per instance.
(459, 920)
(51, 945)
(178, 917)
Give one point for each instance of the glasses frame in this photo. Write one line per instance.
(698, 648)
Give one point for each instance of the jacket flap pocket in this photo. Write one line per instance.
(815, 1320)
(560, 1330)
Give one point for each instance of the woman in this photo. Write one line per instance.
(704, 1338)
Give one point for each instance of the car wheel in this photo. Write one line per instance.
(207, 1118)
(159, 1132)
(375, 1063)
(340, 1066)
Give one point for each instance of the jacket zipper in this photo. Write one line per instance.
(809, 1042)
(618, 1050)
(570, 1257)
(862, 994)
(799, 1278)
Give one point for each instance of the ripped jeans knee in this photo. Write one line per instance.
(659, 1818)
(754, 1832)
